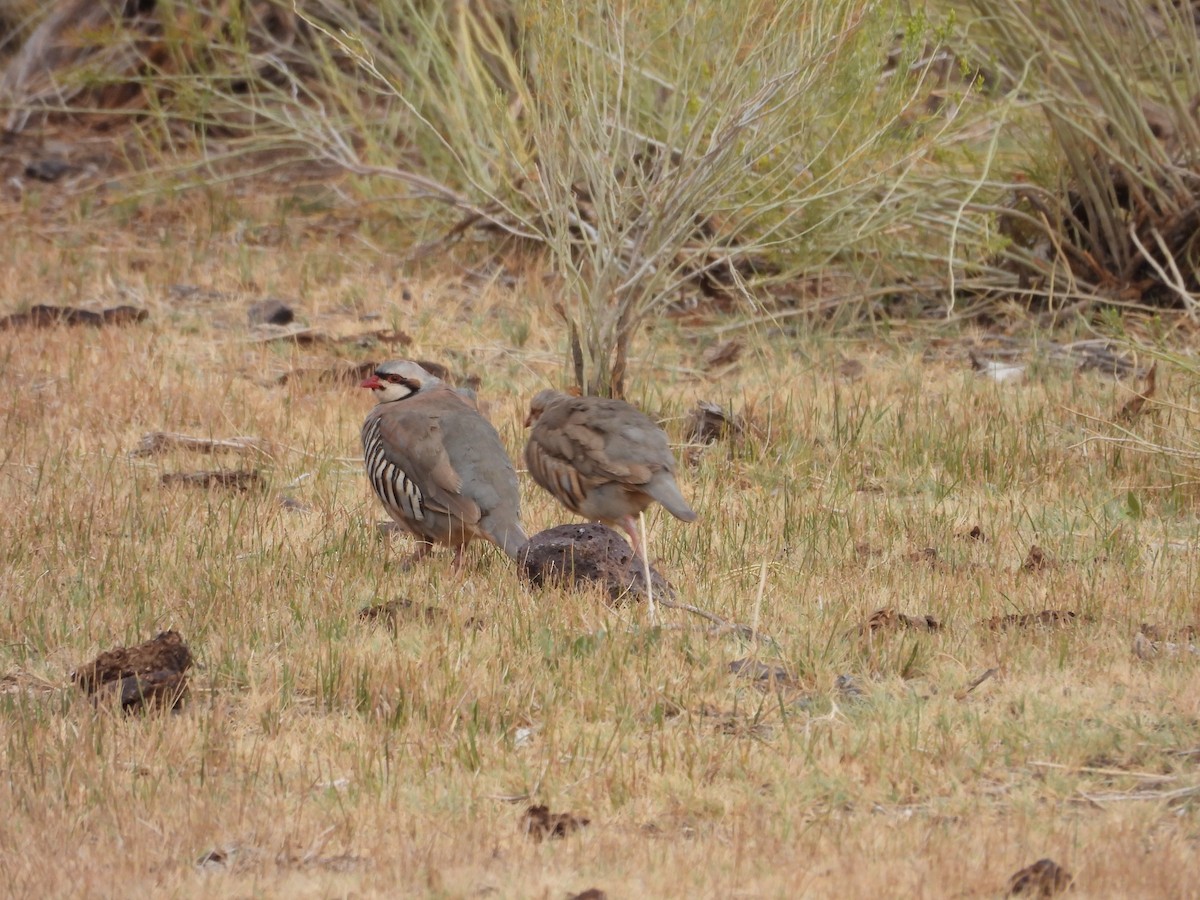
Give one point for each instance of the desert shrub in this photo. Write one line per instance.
(656, 150)
(1109, 206)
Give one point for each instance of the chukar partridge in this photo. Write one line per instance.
(602, 459)
(437, 465)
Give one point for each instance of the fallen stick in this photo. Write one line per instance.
(160, 441)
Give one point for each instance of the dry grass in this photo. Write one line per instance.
(324, 756)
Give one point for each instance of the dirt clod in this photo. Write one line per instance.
(925, 555)
(235, 479)
(1044, 878)
(1133, 408)
(539, 823)
(43, 315)
(1048, 618)
(888, 619)
(723, 353)
(579, 555)
(1036, 560)
(148, 675)
(1160, 633)
(395, 612)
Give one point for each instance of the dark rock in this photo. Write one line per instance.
(271, 311)
(579, 555)
(48, 168)
(754, 670)
(709, 422)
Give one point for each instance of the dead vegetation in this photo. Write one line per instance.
(104, 60)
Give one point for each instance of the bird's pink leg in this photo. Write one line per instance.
(629, 523)
(423, 550)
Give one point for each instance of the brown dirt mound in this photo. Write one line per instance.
(148, 675)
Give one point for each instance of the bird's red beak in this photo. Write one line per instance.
(373, 382)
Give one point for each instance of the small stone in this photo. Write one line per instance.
(48, 168)
(271, 311)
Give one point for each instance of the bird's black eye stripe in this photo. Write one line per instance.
(411, 383)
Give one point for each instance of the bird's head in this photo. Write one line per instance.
(541, 401)
(398, 379)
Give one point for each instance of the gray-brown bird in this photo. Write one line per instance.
(602, 459)
(437, 465)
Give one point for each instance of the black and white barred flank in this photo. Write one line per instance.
(399, 493)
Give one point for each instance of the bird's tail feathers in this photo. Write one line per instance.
(664, 489)
(511, 540)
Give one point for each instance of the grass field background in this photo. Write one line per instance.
(321, 755)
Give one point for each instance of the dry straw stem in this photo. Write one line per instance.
(324, 755)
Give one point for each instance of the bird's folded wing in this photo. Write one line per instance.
(601, 453)
(415, 443)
